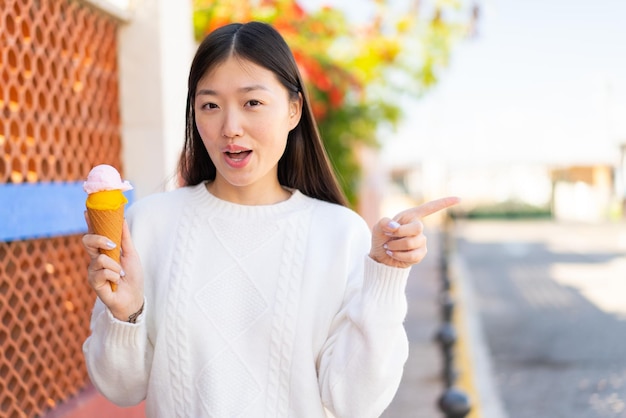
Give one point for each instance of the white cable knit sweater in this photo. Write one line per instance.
(253, 311)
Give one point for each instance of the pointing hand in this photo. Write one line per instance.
(400, 242)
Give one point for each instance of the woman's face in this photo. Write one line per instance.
(244, 115)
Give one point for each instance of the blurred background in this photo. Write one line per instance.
(518, 107)
(529, 115)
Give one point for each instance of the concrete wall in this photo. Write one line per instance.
(155, 47)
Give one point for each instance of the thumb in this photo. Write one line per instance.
(386, 226)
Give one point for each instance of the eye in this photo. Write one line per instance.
(253, 103)
(209, 106)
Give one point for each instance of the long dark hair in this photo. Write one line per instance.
(304, 165)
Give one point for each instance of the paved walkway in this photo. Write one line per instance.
(551, 298)
(576, 245)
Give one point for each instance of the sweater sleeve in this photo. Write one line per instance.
(361, 364)
(117, 355)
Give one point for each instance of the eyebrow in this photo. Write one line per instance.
(209, 92)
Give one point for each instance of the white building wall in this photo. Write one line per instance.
(155, 49)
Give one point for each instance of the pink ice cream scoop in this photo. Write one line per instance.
(105, 177)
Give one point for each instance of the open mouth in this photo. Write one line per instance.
(238, 155)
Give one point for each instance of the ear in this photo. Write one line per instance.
(295, 111)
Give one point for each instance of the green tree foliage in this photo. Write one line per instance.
(356, 74)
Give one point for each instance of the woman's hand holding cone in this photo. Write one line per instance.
(127, 298)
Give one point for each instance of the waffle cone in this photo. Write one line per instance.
(108, 223)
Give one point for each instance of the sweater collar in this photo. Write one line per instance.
(297, 201)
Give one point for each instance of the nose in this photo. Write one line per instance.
(231, 125)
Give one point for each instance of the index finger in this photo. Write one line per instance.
(429, 208)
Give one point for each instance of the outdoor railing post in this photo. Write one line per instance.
(447, 338)
(453, 402)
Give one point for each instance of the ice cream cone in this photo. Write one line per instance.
(105, 207)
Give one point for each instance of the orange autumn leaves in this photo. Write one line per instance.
(310, 36)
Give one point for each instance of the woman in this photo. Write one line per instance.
(261, 296)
